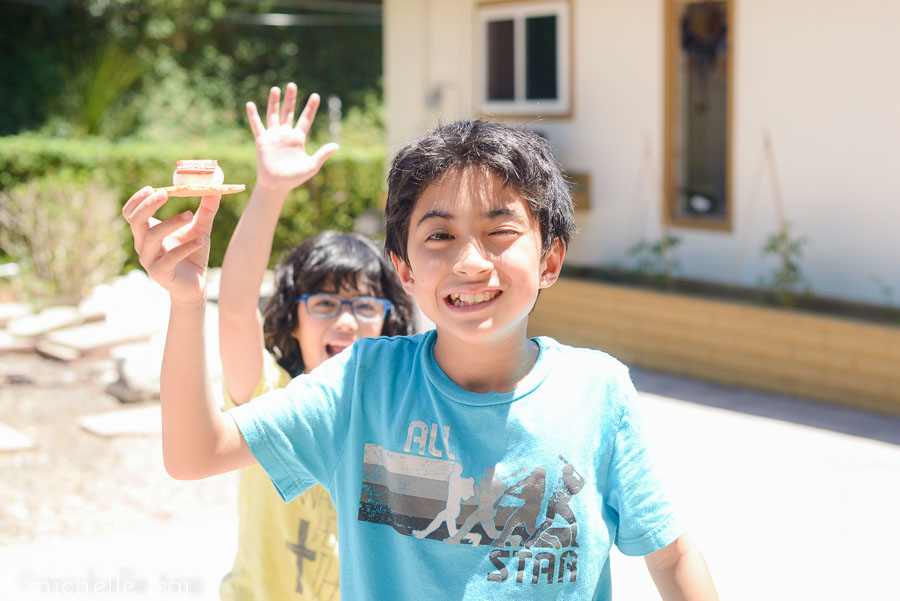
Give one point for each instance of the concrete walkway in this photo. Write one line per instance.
(184, 562)
(788, 499)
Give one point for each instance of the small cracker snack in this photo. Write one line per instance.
(200, 177)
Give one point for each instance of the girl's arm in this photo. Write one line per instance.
(281, 164)
(680, 573)
(198, 439)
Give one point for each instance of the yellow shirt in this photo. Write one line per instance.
(286, 551)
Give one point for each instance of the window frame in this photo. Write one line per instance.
(518, 11)
(671, 50)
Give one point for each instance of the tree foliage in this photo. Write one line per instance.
(163, 68)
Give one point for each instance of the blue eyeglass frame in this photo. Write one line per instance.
(304, 298)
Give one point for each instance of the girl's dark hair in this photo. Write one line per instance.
(330, 261)
(520, 157)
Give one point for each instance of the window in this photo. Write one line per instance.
(698, 85)
(524, 50)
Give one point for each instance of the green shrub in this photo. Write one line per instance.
(64, 232)
(655, 261)
(785, 281)
(351, 182)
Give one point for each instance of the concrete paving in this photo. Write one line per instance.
(182, 562)
(124, 422)
(14, 440)
(788, 499)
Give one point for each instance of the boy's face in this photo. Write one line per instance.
(475, 263)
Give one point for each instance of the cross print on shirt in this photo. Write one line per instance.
(302, 552)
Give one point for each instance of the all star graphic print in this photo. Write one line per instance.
(521, 517)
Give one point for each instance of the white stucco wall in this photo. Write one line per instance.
(428, 65)
(822, 76)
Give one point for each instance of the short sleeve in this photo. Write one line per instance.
(635, 495)
(298, 432)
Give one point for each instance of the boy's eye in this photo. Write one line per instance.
(440, 236)
(507, 234)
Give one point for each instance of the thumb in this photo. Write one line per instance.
(322, 154)
(206, 212)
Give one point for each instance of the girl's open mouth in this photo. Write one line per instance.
(333, 349)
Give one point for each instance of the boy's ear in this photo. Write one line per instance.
(404, 272)
(552, 263)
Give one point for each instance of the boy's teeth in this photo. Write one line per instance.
(460, 300)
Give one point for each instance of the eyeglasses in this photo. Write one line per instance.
(364, 308)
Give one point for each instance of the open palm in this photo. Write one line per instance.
(282, 161)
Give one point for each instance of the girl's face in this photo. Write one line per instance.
(322, 338)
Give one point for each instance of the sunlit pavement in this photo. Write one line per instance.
(787, 499)
(180, 562)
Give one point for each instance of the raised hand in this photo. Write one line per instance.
(282, 162)
(174, 252)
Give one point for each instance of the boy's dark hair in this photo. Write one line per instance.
(328, 262)
(521, 157)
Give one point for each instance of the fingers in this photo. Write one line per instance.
(256, 124)
(135, 200)
(139, 210)
(284, 115)
(287, 107)
(272, 109)
(323, 153)
(156, 239)
(206, 212)
(308, 114)
(169, 259)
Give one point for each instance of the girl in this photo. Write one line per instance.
(331, 290)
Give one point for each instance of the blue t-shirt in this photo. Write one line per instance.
(443, 493)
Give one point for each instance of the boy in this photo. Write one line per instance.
(535, 441)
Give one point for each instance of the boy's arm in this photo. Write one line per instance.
(282, 164)
(198, 439)
(680, 573)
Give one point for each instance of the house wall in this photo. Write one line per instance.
(821, 76)
(428, 65)
(812, 356)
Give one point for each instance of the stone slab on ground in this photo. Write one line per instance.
(126, 393)
(90, 340)
(10, 311)
(56, 351)
(98, 335)
(15, 344)
(13, 440)
(124, 422)
(46, 321)
(137, 365)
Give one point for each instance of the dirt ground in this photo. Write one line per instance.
(74, 483)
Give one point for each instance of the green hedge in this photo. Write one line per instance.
(350, 182)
